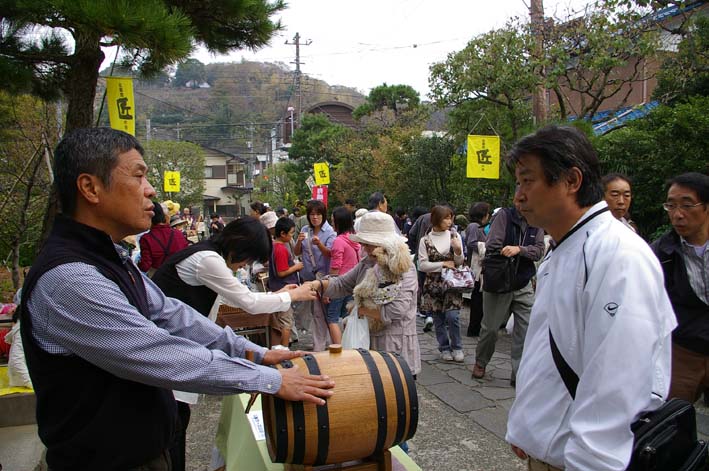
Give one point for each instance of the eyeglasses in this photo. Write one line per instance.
(669, 207)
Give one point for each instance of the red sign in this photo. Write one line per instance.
(320, 193)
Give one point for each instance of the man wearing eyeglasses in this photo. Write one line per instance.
(684, 255)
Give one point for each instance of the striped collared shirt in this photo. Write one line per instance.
(697, 269)
(77, 311)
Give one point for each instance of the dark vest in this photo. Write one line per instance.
(518, 232)
(200, 298)
(692, 330)
(87, 417)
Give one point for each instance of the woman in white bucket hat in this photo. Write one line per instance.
(384, 285)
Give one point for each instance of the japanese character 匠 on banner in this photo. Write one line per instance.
(483, 157)
(322, 174)
(120, 103)
(171, 182)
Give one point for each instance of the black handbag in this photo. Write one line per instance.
(664, 439)
(499, 273)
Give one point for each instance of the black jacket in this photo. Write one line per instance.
(199, 297)
(692, 313)
(510, 228)
(88, 418)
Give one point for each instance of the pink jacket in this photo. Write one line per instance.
(344, 254)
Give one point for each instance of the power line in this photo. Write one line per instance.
(177, 107)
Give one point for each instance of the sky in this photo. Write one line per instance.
(366, 43)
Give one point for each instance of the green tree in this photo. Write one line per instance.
(192, 72)
(185, 157)
(277, 188)
(28, 132)
(669, 141)
(686, 73)
(494, 68)
(397, 99)
(316, 140)
(153, 33)
(596, 56)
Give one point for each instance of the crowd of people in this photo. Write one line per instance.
(563, 260)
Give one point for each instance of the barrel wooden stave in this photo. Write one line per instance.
(351, 412)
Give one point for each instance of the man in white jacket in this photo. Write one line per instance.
(601, 298)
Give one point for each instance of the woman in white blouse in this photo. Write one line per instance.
(197, 274)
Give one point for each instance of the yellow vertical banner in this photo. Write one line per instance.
(171, 181)
(322, 174)
(483, 157)
(121, 106)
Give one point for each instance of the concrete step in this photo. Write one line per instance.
(21, 448)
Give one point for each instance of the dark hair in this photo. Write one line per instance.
(280, 211)
(342, 219)
(214, 215)
(559, 149)
(258, 207)
(350, 201)
(244, 239)
(694, 181)
(611, 177)
(283, 225)
(316, 206)
(375, 200)
(159, 217)
(93, 151)
(439, 213)
(400, 212)
(417, 212)
(478, 211)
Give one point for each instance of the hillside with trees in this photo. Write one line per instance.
(224, 105)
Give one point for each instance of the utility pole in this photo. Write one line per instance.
(298, 83)
(539, 102)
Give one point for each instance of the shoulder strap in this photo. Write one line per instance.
(165, 249)
(568, 376)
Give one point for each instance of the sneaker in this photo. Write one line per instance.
(428, 324)
(458, 356)
(446, 355)
(420, 314)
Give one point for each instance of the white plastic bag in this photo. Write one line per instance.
(509, 327)
(356, 334)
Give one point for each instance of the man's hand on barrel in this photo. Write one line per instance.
(300, 386)
(274, 357)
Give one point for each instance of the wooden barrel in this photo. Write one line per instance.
(375, 407)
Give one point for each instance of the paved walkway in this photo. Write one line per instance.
(463, 420)
(461, 424)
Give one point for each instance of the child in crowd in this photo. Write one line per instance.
(283, 270)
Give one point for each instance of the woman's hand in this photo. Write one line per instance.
(449, 264)
(316, 241)
(300, 293)
(301, 237)
(457, 245)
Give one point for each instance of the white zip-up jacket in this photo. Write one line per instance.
(601, 293)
